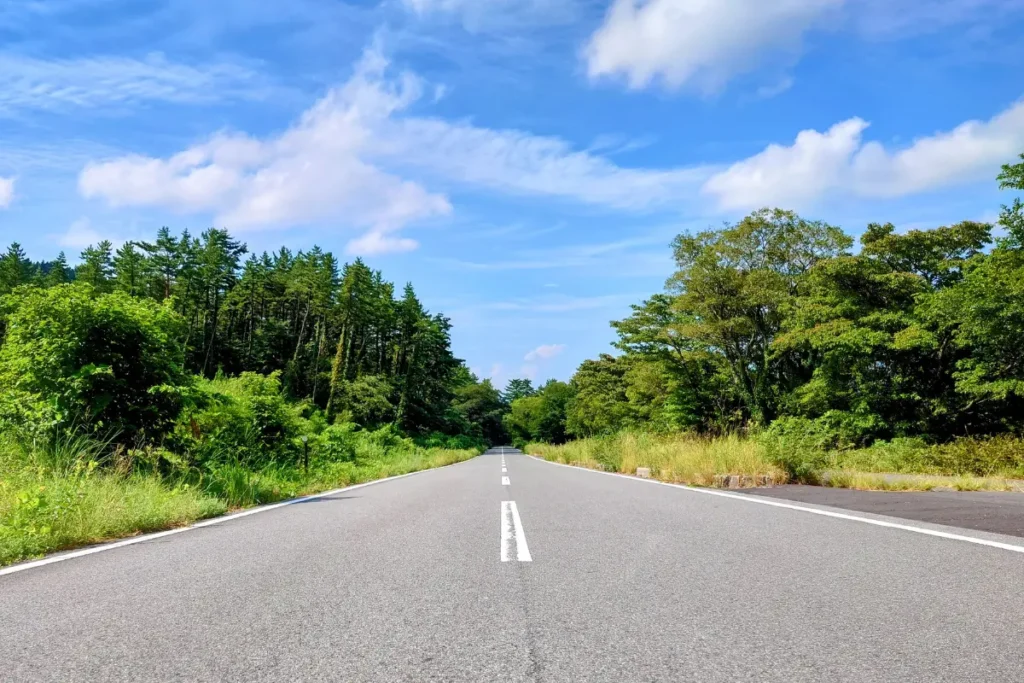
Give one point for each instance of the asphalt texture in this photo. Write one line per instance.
(997, 512)
(629, 581)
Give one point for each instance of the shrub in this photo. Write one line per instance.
(108, 364)
(244, 419)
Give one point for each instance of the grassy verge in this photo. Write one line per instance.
(678, 458)
(907, 465)
(47, 506)
(883, 481)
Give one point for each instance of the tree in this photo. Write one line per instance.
(131, 270)
(734, 286)
(15, 269)
(480, 404)
(516, 389)
(108, 363)
(600, 405)
(97, 267)
(57, 272)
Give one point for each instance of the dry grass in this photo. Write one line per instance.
(876, 481)
(677, 458)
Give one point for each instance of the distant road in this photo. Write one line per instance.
(527, 572)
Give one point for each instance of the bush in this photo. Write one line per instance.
(243, 420)
(108, 364)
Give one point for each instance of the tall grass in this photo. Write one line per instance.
(678, 458)
(53, 496)
(72, 491)
(995, 464)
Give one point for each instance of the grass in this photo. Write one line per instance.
(41, 512)
(60, 496)
(995, 464)
(677, 458)
(875, 481)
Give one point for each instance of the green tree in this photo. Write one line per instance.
(97, 267)
(108, 363)
(517, 388)
(131, 270)
(600, 405)
(734, 286)
(57, 272)
(15, 269)
(480, 404)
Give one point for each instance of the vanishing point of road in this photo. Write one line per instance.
(507, 568)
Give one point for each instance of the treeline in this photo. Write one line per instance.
(777, 322)
(339, 336)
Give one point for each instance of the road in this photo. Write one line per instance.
(587, 577)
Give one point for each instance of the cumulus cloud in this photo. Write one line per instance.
(346, 159)
(6, 192)
(317, 169)
(839, 161)
(544, 352)
(697, 42)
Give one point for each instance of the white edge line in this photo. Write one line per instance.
(522, 550)
(814, 511)
(199, 525)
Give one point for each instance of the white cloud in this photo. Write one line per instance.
(315, 170)
(520, 163)
(766, 92)
(341, 161)
(529, 372)
(495, 15)
(698, 42)
(544, 352)
(29, 83)
(374, 243)
(6, 192)
(81, 234)
(838, 161)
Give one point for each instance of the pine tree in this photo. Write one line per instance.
(15, 268)
(97, 267)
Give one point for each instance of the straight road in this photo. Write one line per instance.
(506, 568)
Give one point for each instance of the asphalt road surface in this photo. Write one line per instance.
(553, 574)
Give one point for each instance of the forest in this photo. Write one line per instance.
(168, 380)
(902, 354)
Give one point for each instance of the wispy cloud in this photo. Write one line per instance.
(350, 157)
(544, 352)
(80, 234)
(28, 83)
(6, 192)
(317, 169)
(646, 253)
(557, 303)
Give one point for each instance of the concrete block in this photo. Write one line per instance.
(643, 472)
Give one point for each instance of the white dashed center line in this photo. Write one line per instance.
(505, 481)
(512, 533)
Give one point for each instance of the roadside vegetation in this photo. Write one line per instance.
(168, 382)
(778, 346)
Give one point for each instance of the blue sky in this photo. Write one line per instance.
(525, 163)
